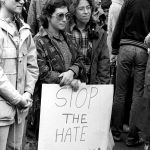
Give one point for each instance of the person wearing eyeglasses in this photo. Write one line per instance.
(64, 60)
(58, 57)
(18, 73)
(34, 14)
(91, 39)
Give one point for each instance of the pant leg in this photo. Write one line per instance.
(3, 137)
(138, 89)
(124, 68)
(128, 101)
(15, 136)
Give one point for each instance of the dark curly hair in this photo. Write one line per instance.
(49, 9)
(92, 33)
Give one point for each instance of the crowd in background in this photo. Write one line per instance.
(91, 41)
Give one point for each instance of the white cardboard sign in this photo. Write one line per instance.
(75, 120)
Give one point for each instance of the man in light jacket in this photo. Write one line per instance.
(18, 73)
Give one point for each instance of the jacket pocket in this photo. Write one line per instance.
(8, 59)
(7, 111)
(9, 63)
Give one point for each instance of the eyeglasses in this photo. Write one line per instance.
(88, 8)
(60, 16)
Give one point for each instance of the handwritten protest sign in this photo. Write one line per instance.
(75, 120)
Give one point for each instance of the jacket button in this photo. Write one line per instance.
(19, 80)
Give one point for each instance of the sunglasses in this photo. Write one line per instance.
(61, 16)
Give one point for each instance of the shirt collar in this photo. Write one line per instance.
(43, 32)
(74, 27)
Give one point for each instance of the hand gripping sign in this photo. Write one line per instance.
(75, 120)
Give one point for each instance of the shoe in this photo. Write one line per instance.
(146, 147)
(134, 142)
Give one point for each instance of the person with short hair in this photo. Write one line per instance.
(18, 73)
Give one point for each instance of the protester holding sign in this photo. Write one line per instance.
(92, 41)
(58, 57)
(18, 73)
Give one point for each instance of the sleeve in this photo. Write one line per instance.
(7, 90)
(147, 40)
(32, 66)
(112, 19)
(75, 69)
(78, 65)
(109, 30)
(46, 74)
(103, 66)
(31, 20)
(115, 43)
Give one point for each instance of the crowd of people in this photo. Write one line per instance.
(67, 42)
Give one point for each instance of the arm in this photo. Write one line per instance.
(118, 29)
(109, 30)
(78, 61)
(147, 40)
(7, 90)
(31, 20)
(32, 67)
(46, 74)
(103, 66)
(78, 65)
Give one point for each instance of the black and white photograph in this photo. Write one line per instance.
(75, 74)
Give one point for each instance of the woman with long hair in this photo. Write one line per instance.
(92, 42)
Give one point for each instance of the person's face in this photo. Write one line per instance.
(59, 18)
(97, 3)
(14, 6)
(83, 11)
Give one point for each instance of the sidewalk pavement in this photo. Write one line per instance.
(121, 145)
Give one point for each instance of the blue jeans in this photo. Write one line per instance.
(131, 59)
